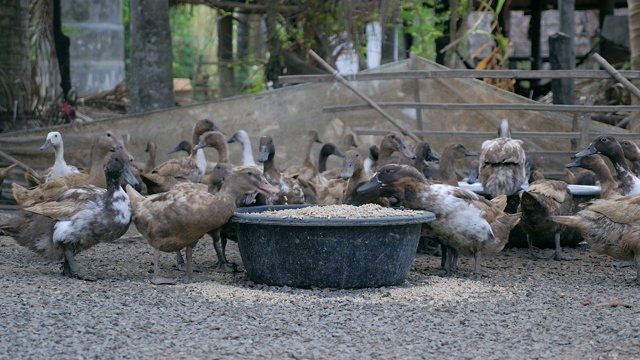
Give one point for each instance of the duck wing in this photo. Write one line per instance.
(69, 203)
(622, 210)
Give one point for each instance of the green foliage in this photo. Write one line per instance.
(184, 53)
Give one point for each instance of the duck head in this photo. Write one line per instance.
(389, 174)
(602, 144)
(151, 147)
(460, 151)
(119, 164)
(240, 136)
(352, 162)
(247, 181)
(374, 152)
(184, 145)
(53, 139)
(589, 162)
(266, 149)
(214, 139)
(630, 150)
(330, 149)
(395, 141)
(423, 152)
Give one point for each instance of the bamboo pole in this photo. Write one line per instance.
(611, 70)
(369, 101)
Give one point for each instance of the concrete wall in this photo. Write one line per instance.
(97, 44)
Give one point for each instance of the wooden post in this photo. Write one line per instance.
(561, 58)
(364, 97)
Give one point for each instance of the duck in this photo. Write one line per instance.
(151, 148)
(595, 164)
(628, 183)
(502, 163)
(451, 153)
(187, 169)
(393, 148)
(219, 173)
(426, 160)
(60, 166)
(580, 176)
(178, 218)
(610, 226)
(308, 170)
(465, 222)
(101, 148)
(81, 217)
(632, 154)
(353, 172)
(324, 175)
(289, 191)
(538, 203)
(242, 137)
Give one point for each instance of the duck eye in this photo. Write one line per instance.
(604, 140)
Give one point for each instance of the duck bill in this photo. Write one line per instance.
(337, 153)
(372, 184)
(267, 189)
(174, 150)
(199, 146)
(128, 176)
(573, 164)
(231, 140)
(408, 153)
(590, 150)
(471, 153)
(216, 128)
(347, 172)
(263, 155)
(46, 145)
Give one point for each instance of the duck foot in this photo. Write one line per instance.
(227, 268)
(561, 257)
(70, 268)
(159, 280)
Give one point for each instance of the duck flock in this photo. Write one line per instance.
(174, 204)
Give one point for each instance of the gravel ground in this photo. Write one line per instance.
(520, 309)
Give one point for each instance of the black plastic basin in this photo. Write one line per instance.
(327, 253)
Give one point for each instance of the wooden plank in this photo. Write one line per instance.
(484, 106)
(492, 134)
(464, 74)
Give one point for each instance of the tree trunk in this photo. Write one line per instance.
(151, 74)
(634, 41)
(46, 69)
(15, 67)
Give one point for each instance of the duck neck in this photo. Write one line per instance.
(201, 161)
(356, 178)
(223, 153)
(247, 154)
(322, 163)
(59, 150)
(270, 170)
(96, 171)
(619, 162)
(307, 159)
(151, 162)
(608, 185)
(447, 173)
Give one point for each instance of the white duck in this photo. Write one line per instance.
(242, 137)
